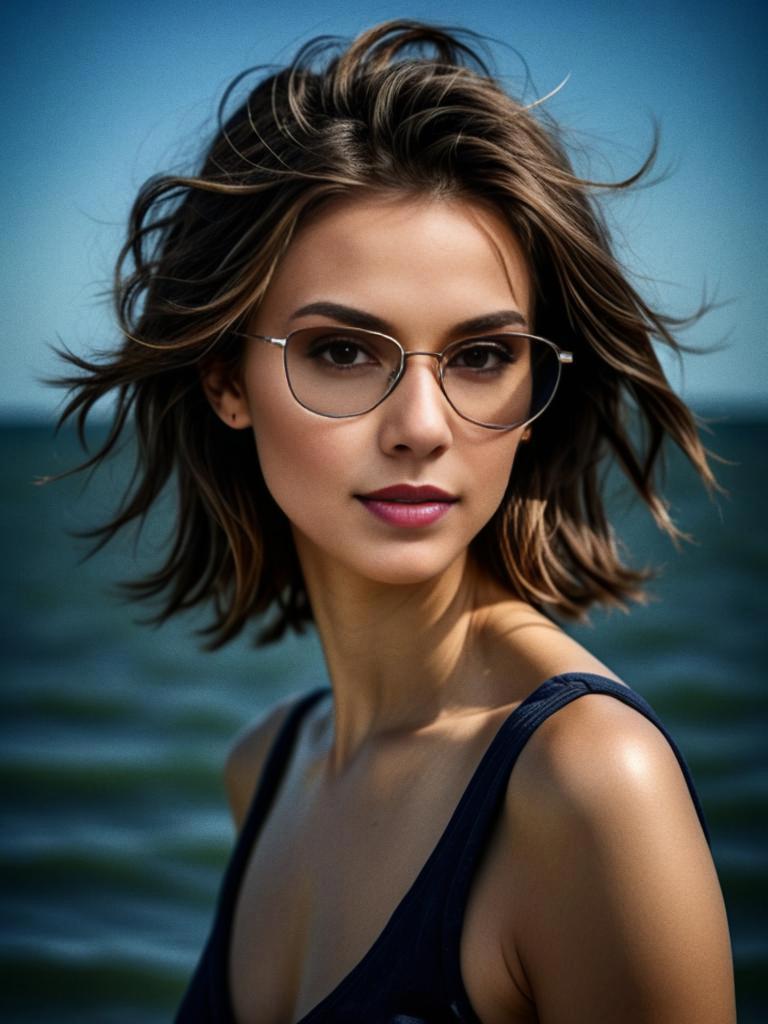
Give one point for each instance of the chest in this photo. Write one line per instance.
(324, 879)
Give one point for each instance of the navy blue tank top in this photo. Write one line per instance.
(411, 974)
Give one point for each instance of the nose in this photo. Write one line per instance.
(416, 417)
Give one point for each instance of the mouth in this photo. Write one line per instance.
(408, 505)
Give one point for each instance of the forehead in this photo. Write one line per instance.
(410, 259)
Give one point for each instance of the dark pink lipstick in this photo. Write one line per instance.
(408, 504)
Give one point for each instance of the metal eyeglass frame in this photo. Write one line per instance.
(563, 357)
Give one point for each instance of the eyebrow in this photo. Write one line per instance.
(359, 318)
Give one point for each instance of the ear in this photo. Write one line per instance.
(526, 435)
(226, 394)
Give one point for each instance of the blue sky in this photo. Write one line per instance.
(96, 97)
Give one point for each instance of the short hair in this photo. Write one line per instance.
(405, 108)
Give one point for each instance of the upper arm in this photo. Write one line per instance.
(618, 911)
(247, 756)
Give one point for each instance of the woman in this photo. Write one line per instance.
(382, 344)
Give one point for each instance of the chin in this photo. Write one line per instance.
(407, 568)
(411, 561)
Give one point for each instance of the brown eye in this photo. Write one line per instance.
(340, 351)
(481, 355)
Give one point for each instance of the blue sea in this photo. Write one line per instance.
(114, 822)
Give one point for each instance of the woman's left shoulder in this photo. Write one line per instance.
(598, 754)
(611, 874)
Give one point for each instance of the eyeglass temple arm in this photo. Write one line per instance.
(280, 342)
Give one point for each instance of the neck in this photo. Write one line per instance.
(398, 656)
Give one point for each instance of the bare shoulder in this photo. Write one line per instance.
(597, 742)
(618, 911)
(248, 753)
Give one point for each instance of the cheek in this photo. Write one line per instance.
(306, 462)
(492, 466)
(286, 457)
(281, 447)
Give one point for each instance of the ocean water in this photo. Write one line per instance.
(114, 828)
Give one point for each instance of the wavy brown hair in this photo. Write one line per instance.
(406, 108)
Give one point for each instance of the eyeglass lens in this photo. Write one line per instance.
(499, 380)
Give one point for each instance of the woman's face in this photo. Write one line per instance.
(422, 267)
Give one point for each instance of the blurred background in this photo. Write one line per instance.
(114, 824)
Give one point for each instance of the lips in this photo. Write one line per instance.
(409, 494)
(406, 505)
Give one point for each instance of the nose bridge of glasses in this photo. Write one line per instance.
(421, 389)
(419, 352)
(437, 356)
(435, 366)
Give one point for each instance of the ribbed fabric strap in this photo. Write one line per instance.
(207, 997)
(272, 776)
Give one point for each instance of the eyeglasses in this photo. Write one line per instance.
(499, 381)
